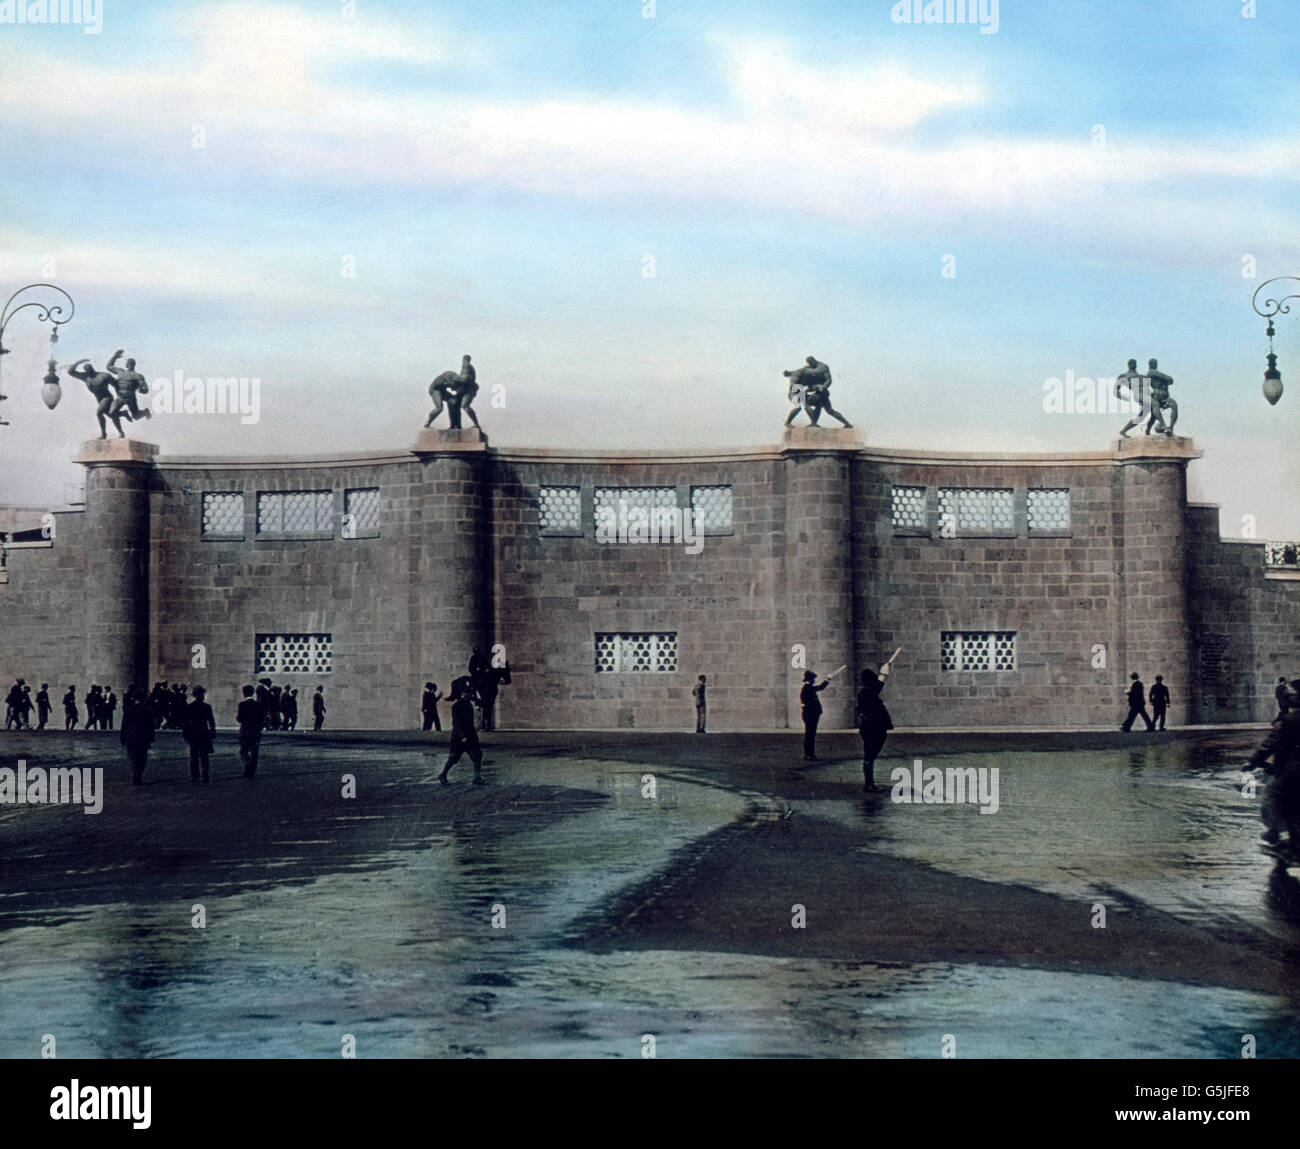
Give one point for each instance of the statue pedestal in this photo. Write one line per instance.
(810, 438)
(117, 451)
(1139, 446)
(434, 440)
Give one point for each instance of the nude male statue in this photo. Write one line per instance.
(810, 388)
(1161, 401)
(129, 383)
(100, 384)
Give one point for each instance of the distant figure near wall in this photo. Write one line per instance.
(1137, 703)
(1159, 702)
(811, 707)
(137, 732)
(250, 717)
(701, 704)
(318, 708)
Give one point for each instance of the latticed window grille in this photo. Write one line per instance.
(288, 511)
(1282, 554)
(977, 650)
(711, 508)
(295, 653)
(908, 506)
(223, 513)
(1049, 509)
(638, 653)
(975, 509)
(560, 510)
(647, 498)
(362, 504)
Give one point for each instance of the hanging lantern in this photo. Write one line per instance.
(51, 392)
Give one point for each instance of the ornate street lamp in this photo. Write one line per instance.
(47, 312)
(1272, 307)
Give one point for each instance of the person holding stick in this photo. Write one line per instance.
(874, 723)
(812, 711)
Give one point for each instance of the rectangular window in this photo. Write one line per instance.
(977, 650)
(1285, 556)
(976, 509)
(637, 514)
(295, 512)
(361, 506)
(636, 653)
(559, 510)
(1048, 509)
(295, 653)
(223, 514)
(711, 507)
(908, 507)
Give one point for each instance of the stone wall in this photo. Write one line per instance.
(813, 571)
(1245, 629)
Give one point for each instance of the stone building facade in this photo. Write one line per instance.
(1022, 588)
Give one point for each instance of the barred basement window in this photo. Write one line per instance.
(295, 653)
(977, 650)
(712, 508)
(908, 506)
(361, 505)
(223, 513)
(975, 509)
(1049, 509)
(636, 653)
(295, 512)
(560, 511)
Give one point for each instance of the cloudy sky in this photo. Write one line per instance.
(634, 215)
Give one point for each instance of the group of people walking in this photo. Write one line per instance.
(484, 682)
(100, 702)
(473, 698)
(1138, 698)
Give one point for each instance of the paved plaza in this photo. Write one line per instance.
(715, 893)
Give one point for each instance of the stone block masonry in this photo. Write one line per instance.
(1023, 588)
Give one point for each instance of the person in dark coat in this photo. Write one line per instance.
(700, 693)
(289, 700)
(70, 714)
(318, 708)
(199, 730)
(43, 705)
(11, 703)
(1159, 702)
(250, 717)
(874, 723)
(1283, 695)
(812, 712)
(1137, 703)
(493, 679)
(464, 738)
(137, 733)
(264, 700)
(1280, 809)
(429, 706)
(109, 709)
(92, 709)
(25, 709)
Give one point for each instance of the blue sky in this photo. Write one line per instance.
(495, 175)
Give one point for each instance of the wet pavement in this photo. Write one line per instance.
(564, 910)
